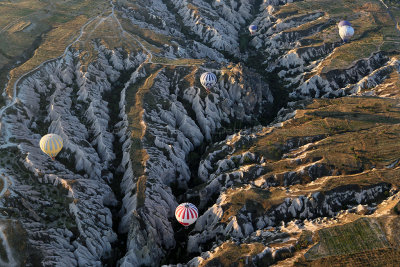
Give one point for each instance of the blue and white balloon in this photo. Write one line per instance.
(346, 32)
(208, 80)
(253, 29)
(344, 23)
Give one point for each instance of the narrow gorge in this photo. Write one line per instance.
(298, 135)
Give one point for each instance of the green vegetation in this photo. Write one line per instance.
(180, 61)
(362, 235)
(305, 239)
(348, 127)
(16, 238)
(255, 200)
(229, 252)
(134, 110)
(34, 31)
(244, 42)
(360, 243)
(375, 28)
(355, 138)
(57, 214)
(397, 208)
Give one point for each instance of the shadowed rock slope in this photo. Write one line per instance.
(294, 150)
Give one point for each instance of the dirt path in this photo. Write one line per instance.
(5, 183)
(11, 261)
(391, 16)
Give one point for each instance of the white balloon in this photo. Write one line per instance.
(346, 32)
(253, 29)
(208, 80)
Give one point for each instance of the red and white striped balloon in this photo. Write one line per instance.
(186, 213)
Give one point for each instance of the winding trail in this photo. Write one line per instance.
(77, 39)
(149, 54)
(397, 26)
(5, 183)
(11, 261)
(84, 33)
(14, 98)
(3, 237)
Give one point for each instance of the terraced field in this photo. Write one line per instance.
(360, 243)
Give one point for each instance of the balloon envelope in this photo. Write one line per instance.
(346, 32)
(344, 23)
(208, 80)
(253, 29)
(51, 144)
(186, 213)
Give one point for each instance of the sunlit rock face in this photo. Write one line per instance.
(68, 199)
(185, 119)
(216, 23)
(72, 100)
(142, 135)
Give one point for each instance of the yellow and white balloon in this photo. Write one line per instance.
(51, 144)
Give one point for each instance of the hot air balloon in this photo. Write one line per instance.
(344, 23)
(208, 80)
(253, 29)
(51, 144)
(346, 32)
(186, 214)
